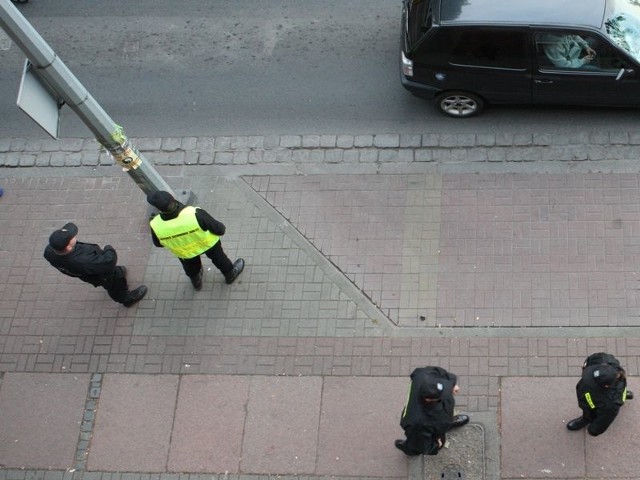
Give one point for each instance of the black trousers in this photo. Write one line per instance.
(192, 266)
(116, 285)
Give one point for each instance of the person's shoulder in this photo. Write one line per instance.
(50, 253)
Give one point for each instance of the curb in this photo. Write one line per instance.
(333, 149)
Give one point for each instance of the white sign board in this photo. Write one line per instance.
(35, 99)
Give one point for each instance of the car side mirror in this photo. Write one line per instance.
(625, 72)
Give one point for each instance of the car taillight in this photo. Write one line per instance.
(407, 66)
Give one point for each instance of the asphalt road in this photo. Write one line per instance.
(250, 67)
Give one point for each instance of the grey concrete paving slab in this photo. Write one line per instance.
(281, 429)
(372, 227)
(614, 454)
(539, 250)
(462, 457)
(359, 423)
(209, 424)
(134, 423)
(535, 440)
(40, 420)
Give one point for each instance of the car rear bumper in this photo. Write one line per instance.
(419, 89)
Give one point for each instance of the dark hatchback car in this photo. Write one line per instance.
(467, 53)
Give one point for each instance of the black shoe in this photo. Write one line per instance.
(197, 280)
(402, 446)
(459, 420)
(577, 424)
(135, 296)
(238, 266)
(629, 395)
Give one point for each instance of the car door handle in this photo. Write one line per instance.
(543, 81)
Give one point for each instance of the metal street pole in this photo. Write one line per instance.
(55, 74)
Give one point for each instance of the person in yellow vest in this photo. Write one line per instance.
(189, 232)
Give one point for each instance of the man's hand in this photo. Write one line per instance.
(456, 389)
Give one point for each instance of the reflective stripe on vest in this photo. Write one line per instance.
(624, 395)
(587, 397)
(182, 235)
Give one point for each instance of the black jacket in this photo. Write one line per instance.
(424, 423)
(86, 261)
(205, 221)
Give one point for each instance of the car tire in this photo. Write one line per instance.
(459, 104)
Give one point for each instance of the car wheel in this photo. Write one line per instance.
(459, 104)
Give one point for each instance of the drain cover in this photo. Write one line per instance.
(452, 472)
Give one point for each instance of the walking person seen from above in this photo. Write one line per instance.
(91, 264)
(601, 392)
(189, 232)
(428, 414)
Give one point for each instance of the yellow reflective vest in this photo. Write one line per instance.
(182, 235)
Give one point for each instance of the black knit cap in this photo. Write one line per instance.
(161, 200)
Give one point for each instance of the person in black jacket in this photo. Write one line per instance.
(428, 414)
(91, 264)
(601, 392)
(189, 232)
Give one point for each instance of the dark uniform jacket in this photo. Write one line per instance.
(423, 424)
(205, 221)
(86, 261)
(600, 405)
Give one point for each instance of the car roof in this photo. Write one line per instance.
(531, 12)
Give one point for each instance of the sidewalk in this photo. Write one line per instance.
(300, 368)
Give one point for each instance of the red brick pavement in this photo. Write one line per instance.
(517, 251)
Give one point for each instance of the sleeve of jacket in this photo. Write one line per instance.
(561, 57)
(154, 238)
(207, 222)
(101, 262)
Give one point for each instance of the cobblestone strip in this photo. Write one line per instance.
(17, 474)
(88, 422)
(334, 149)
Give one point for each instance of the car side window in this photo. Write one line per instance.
(576, 52)
(499, 48)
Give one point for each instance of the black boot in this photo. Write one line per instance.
(135, 296)
(197, 280)
(238, 266)
(402, 446)
(629, 395)
(577, 424)
(459, 420)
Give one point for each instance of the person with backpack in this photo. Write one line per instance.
(428, 414)
(601, 391)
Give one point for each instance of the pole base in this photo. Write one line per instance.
(186, 197)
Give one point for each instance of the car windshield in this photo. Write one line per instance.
(622, 24)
